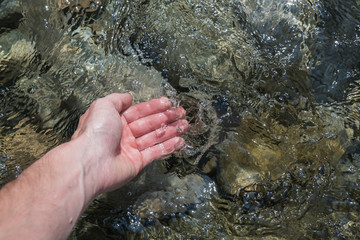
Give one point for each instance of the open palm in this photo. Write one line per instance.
(123, 139)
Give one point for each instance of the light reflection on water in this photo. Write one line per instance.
(270, 89)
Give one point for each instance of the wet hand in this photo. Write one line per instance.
(119, 140)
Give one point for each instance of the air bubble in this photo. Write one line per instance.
(76, 9)
(94, 6)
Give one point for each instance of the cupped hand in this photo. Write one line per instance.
(119, 139)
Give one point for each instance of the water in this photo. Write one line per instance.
(270, 89)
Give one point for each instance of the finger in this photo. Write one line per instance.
(121, 101)
(150, 123)
(162, 149)
(144, 109)
(127, 138)
(162, 134)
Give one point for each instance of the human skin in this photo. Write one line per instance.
(114, 141)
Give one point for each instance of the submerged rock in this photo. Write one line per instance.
(263, 149)
(10, 14)
(78, 5)
(179, 42)
(158, 194)
(16, 55)
(177, 197)
(234, 49)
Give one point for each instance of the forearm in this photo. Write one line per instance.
(45, 201)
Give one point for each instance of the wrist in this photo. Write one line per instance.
(64, 174)
(85, 156)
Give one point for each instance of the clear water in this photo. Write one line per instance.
(271, 89)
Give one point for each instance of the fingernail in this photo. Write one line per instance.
(164, 100)
(175, 112)
(182, 112)
(180, 143)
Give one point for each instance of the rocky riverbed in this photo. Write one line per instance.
(271, 92)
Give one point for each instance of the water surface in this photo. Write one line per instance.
(270, 89)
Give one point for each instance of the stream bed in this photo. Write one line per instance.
(272, 93)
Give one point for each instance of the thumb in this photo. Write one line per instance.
(121, 101)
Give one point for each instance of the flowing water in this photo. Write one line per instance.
(271, 90)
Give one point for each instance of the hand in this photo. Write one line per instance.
(121, 139)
